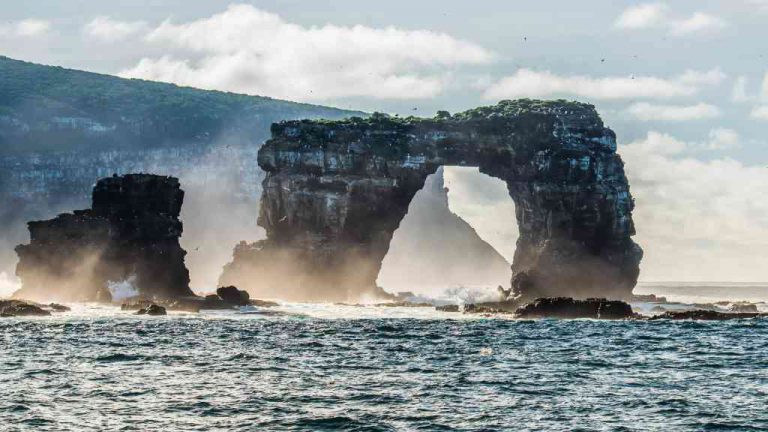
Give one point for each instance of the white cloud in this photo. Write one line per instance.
(761, 5)
(247, 50)
(107, 29)
(642, 16)
(697, 219)
(739, 92)
(723, 139)
(529, 83)
(649, 112)
(760, 112)
(26, 28)
(764, 88)
(710, 77)
(657, 15)
(699, 22)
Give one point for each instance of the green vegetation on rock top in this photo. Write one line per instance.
(142, 113)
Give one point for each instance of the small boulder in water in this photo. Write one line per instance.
(743, 308)
(568, 308)
(55, 307)
(447, 308)
(152, 310)
(233, 296)
(17, 308)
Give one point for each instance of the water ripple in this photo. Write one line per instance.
(227, 372)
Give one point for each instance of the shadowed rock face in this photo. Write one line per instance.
(132, 230)
(335, 192)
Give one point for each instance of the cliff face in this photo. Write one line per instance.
(131, 231)
(336, 191)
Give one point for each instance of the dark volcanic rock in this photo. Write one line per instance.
(152, 310)
(448, 308)
(568, 308)
(233, 296)
(12, 308)
(335, 192)
(704, 315)
(58, 308)
(502, 306)
(743, 308)
(132, 230)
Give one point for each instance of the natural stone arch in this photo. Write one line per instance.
(336, 191)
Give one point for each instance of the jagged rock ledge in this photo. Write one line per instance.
(226, 298)
(23, 308)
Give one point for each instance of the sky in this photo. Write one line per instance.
(684, 84)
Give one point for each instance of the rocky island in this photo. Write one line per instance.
(335, 192)
(131, 232)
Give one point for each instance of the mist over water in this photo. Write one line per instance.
(8, 284)
(221, 207)
(434, 248)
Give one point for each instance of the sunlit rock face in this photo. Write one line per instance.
(131, 232)
(335, 192)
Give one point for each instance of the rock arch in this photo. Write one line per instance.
(335, 192)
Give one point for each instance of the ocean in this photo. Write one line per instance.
(347, 368)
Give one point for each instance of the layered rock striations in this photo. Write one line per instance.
(336, 191)
(131, 232)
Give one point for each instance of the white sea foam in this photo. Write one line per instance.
(463, 295)
(124, 289)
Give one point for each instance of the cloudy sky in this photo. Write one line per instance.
(684, 84)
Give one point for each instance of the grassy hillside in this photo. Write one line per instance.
(45, 108)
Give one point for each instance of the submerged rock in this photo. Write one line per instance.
(131, 231)
(20, 308)
(704, 315)
(152, 310)
(568, 308)
(335, 192)
(58, 307)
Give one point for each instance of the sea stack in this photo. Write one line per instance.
(336, 191)
(131, 232)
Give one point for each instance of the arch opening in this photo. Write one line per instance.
(459, 235)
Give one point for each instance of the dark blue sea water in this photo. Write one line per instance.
(113, 371)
